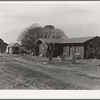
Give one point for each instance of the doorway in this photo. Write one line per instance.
(16, 50)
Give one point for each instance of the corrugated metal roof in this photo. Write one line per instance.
(77, 39)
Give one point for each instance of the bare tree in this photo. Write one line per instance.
(52, 32)
(31, 34)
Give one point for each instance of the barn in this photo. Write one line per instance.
(3, 46)
(14, 48)
(66, 46)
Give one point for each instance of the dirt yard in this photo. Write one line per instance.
(29, 72)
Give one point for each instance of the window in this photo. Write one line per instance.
(65, 50)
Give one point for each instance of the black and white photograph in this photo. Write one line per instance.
(49, 45)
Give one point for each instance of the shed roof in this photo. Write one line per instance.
(77, 39)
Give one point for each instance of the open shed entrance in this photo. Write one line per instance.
(15, 50)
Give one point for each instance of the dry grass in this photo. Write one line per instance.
(16, 76)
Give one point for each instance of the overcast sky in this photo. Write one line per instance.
(74, 18)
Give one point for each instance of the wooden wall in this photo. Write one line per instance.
(67, 50)
(42, 49)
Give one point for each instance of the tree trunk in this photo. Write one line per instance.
(50, 56)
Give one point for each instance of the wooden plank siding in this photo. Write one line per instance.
(66, 50)
(65, 46)
(82, 52)
(42, 49)
(76, 49)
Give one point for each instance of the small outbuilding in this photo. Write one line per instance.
(3, 46)
(14, 48)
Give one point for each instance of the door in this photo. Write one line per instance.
(70, 51)
(15, 50)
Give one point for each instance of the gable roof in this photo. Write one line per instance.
(5, 43)
(65, 40)
(51, 40)
(12, 44)
(77, 39)
(48, 40)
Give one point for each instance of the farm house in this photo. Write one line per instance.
(66, 46)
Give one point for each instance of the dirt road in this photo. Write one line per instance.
(16, 72)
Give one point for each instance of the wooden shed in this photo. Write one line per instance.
(3, 46)
(14, 48)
